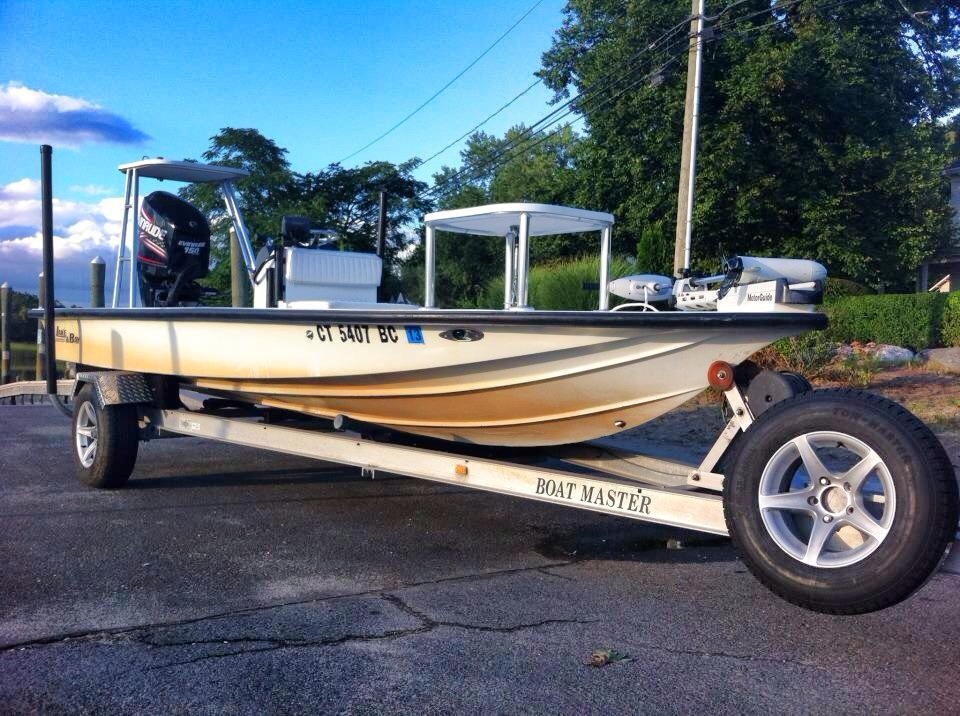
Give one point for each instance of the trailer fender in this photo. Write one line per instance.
(116, 387)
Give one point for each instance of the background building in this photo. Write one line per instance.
(942, 273)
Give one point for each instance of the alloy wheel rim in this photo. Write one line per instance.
(827, 499)
(86, 434)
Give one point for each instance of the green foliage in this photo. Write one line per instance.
(348, 201)
(23, 360)
(344, 199)
(806, 354)
(558, 285)
(911, 319)
(545, 173)
(856, 369)
(950, 321)
(655, 249)
(839, 287)
(22, 328)
(820, 133)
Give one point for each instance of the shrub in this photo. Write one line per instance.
(559, 285)
(806, 354)
(856, 369)
(950, 321)
(835, 288)
(911, 319)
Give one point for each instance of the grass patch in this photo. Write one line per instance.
(559, 285)
(23, 360)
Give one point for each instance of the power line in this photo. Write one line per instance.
(476, 171)
(605, 81)
(517, 148)
(446, 86)
(477, 126)
(529, 134)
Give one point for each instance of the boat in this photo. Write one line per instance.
(837, 500)
(318, 342)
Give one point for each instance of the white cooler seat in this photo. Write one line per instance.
(331, 276)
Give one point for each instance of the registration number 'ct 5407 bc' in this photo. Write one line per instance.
(363, 333)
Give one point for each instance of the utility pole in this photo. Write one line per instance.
(688, 157)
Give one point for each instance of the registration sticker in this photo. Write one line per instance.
(414, 334)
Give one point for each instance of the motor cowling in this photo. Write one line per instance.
(174, 250)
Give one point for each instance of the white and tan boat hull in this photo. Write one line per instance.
(517, 383)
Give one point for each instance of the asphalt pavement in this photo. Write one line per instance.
(226, 580)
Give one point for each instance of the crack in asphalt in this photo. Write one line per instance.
(729, 655)
(548, 573)
(376, 592)
(426, 625)
(434, 623)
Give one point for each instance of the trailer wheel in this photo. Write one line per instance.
(841, 501)
(105, 441)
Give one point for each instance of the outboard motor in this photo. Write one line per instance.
(174, 251)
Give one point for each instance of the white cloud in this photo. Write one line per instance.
(20, 206)
(20, 189)
(82, 231)
(91, 189)
(31, 115)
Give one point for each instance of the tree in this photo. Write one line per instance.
(346, 200)
(820, 126)
(262, 196)
(22, 327)
(516, 167)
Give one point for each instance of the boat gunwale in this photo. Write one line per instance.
(611, 319)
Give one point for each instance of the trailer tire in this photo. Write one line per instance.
(105, 441)
(833, 536)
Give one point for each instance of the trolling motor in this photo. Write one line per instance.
(174, 251)
(746, 284)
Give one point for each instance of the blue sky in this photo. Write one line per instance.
(159, 79)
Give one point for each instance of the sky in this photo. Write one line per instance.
(110, 82)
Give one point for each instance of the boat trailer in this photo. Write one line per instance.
(832, 536)
(600, 476)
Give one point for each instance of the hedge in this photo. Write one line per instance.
(901, 319)
(950, 321)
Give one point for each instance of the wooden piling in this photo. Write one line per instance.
(41, 291)
(5, 320)
(98, 272)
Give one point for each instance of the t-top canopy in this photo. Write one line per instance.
(496, 219)
(190, 172)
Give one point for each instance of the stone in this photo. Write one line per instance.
(892, 354)
(945, 359)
